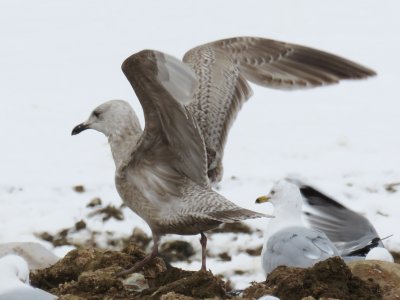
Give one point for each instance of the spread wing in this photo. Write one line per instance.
(348, 230)
(223, 68)
(171, 148)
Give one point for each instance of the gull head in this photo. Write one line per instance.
(111, 118)
(283, 194)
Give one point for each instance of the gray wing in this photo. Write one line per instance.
(297, 247)
(171, 147)
(223, 68)
(351, 233)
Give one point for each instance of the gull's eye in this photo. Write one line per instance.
(96, 114)
(272, 192)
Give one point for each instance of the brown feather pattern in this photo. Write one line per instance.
(223, 68)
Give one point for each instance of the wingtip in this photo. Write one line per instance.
(137, 59)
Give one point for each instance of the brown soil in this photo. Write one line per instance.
(79, 188)
(396, 256)
(90, 274)
(327, 279)
(386, 274)
(94, 202)
(237, 227)
(176, 251)
(254, 251)
(108, 212)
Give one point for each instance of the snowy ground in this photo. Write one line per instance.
(58, 60)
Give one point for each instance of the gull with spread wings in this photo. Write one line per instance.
(163, 173)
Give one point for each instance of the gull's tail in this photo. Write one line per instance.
(236, 215)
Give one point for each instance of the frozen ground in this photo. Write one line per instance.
(58, 60)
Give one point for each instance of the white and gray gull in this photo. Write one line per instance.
(287, 242)
(164, 172)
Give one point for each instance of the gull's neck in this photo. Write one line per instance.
(123, 142)
(285, 216)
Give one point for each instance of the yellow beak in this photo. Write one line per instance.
(262, 199)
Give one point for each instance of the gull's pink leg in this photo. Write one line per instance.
(203, 242)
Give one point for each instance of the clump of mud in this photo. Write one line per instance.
(108, 212)
(328, 279)
(172, 251)
(396, 257)
(237, 227)
(90, 274)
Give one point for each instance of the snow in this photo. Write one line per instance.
(379, 253)
(59, 60)
(14, 281)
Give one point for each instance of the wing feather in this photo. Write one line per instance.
(171, 145)
(347, 229)
(223, 68)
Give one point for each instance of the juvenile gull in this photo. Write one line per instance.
(286, 241)
(352, 234)
(223, 69)
(14, 281)
(189, 107)
(161, 173)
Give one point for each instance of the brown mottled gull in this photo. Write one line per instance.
(223, 69)
(163, 173)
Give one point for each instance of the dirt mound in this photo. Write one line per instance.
(328, 279)
(386, 274)
(90, 274)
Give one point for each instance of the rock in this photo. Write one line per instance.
(257, 290)
(135, 282)
(386, 274)
(37, 256)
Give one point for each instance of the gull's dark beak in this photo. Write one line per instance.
(79, 128)
(262, 199)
